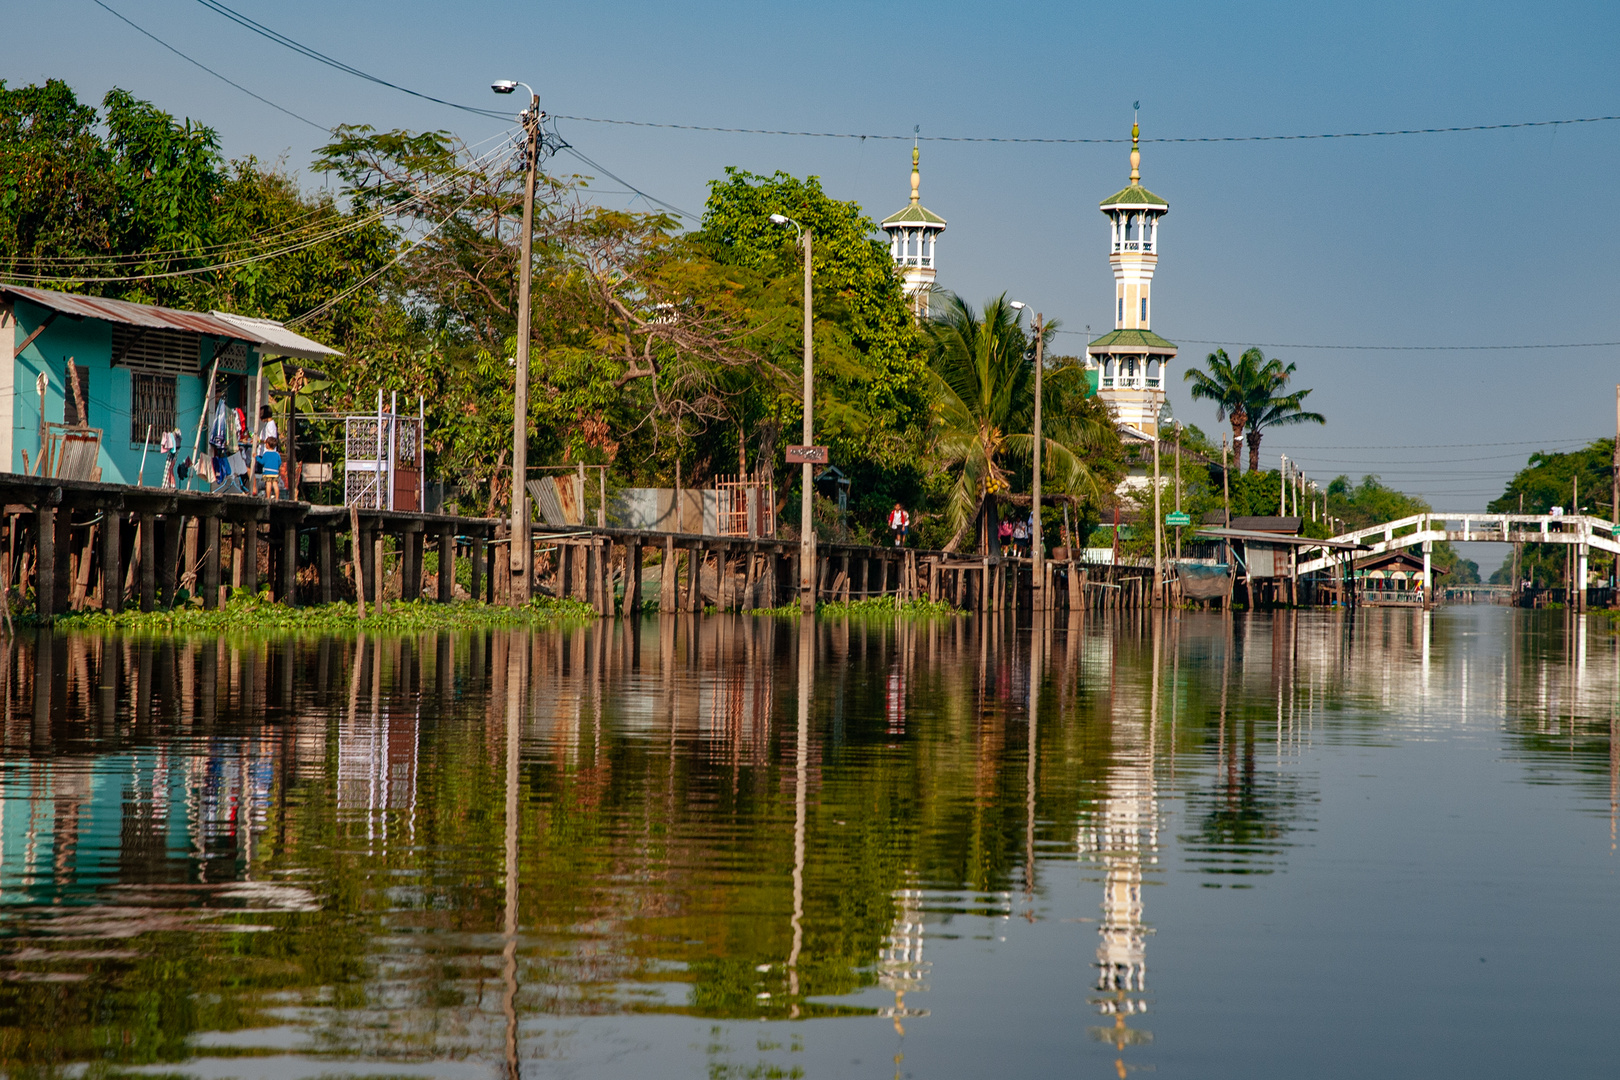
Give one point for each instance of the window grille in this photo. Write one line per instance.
(158, 351)
(151, 403)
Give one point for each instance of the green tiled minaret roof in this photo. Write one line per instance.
(915, 213)
(1134, 194)
(1131, 340)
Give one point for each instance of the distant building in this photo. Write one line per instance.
(141, 371)
(1131, 363)
(913, 235)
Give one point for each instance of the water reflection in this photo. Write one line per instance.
(469, 848)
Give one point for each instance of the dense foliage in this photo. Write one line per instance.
(1556, 480)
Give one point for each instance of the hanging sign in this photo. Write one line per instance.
(807, 455)
(1177, 518)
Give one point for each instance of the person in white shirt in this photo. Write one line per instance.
(267, 433)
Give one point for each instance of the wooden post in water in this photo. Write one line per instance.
(288, 586)
(632, 579)
(666, 577)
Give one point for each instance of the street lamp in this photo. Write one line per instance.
(522, 577)
(807, 534)
(1037, 546)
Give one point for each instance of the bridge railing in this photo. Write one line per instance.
(1583, 530)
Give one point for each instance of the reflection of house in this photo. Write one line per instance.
(1395, 577)
(138, 368)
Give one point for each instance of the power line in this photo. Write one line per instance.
(1430, 446)
(198, 63)
(608, 172)
(1057, 140)
(321, 58)
(1393, 348)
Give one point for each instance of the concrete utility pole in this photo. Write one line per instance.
(1158, 528)
(1037, 545)
(807, 532)
(522, 577)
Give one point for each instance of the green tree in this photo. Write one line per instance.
(1371, 503)
(1232, 386)
(984, 380)
(1549, 480)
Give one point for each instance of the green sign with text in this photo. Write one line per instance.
(1177, 518)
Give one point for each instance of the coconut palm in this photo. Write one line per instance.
(1277, 410)
(1231, 386)
(983, 379)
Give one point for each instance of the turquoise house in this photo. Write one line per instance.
(142, 370)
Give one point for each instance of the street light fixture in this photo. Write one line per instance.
(519, 553)
(807, 533)
(1037, 543)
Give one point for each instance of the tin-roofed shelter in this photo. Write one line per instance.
(141, 369)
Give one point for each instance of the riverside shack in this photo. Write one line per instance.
(141, 371)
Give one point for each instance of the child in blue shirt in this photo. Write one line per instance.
(270, 465)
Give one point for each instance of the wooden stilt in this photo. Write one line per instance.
(447, 563)
(45, 563)
(112, 572)
(148, 562)
(210, 561)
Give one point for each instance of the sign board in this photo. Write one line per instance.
(1177, 518)
(807, 455)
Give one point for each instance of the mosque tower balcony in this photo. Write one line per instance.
(913, 238)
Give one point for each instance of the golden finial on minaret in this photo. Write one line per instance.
(916, 175)
(1136, 152)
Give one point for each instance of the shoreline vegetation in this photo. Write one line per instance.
(247, 613)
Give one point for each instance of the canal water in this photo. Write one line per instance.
(1297, 844)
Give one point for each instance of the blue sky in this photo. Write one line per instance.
(1483, 238)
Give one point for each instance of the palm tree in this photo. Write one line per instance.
(1277, 410)
(983, 375)
(1231, 386)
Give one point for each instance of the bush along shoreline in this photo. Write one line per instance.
(247, 613)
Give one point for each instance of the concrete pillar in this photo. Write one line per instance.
(1428, 577)
(1580, 577)
(45, 562)
(287, 587)
(148, 562)
(411, 565)
(447, 563)
(170, 538)
(475, 556)
(326, 563)
(64, 564)
(694, 578)
(249, 554)
(210, 567)
(112, 570)
(632, 579)
(666, 577)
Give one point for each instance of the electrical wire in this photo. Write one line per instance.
(321, 58)
(198, 63)
(615, 176)
(269, 235)
(1057, 140)
(301, 244)
(1389, 348)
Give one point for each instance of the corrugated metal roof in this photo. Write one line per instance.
(271, 337)
(123, 311)
(276, 340)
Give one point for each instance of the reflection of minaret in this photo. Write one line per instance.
(901, 967)
(1125, 838)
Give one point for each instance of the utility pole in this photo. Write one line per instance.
(1158, 526)
(807, 532)
(1037, 544)
(1178, 491)
(1282, 488)
(522, 575)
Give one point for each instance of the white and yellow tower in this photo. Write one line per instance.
(1132, 362)
(913, 234)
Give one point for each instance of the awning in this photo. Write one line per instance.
(1282, 539)
(275, 339)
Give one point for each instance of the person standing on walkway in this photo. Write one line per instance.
(899, 524)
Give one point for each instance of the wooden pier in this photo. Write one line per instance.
(78, 545)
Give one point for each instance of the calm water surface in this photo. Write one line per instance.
(1279, 846)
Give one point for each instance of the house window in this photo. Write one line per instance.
(151, 406)
(70, 403)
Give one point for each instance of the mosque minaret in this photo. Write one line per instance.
(1132, 362)
(913, 235)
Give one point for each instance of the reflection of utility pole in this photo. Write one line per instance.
(1037, 633)
(516, 679)
(801, 767)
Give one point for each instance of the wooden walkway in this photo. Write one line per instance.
(81, 545)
